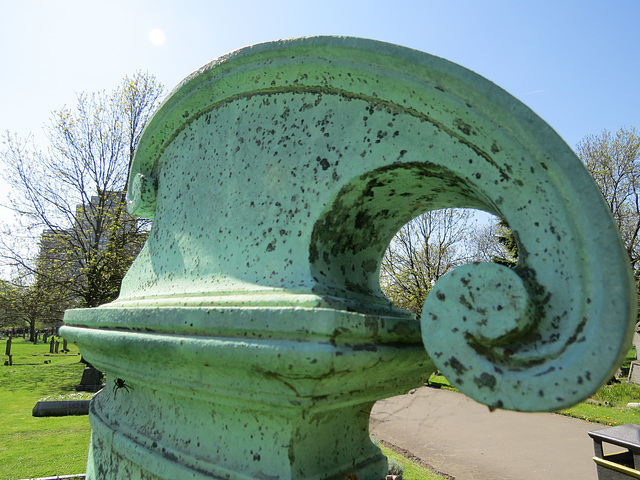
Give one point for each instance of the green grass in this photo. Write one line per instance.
(618, 394)
(438, 381)
(412, 471)
(39, 446)
(600, 414)
(631, 356)
(609, 405)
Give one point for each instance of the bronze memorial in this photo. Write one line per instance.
(251, 339)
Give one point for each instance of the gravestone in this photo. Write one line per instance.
(7, 352)
(634, 370)
(251, 329)
(91, 380)
(52, 345)
(60, 408)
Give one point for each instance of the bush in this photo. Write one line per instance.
(395, 467)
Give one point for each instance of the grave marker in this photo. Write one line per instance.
(91, 380)
(7, 352)
(251, 328)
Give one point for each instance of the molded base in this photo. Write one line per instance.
(260, 406)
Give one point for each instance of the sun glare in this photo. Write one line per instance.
(157, 37)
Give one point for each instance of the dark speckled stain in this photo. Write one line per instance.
(351, 235)
(486, 380)
(546, 372)
(463, 301)
(362, 219)
(369, 347)
(169, 456)
(464, 127)
(372, 325)
(324, 163)
(456, 365)
(404, 329)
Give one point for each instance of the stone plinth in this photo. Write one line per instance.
(247, 396)
(251, 338)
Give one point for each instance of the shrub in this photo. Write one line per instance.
(395, 467)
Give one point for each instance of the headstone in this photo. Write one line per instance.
(634, 370)
(65, 345)
(51, 345)
(276, 177)
(8, 352)
(57, 346)
(91, 380)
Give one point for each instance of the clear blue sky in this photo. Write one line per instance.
(575, 63)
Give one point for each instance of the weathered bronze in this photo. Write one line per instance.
(251, 331)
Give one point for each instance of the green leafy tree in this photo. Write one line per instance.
(32, 304)
(70, 197)
(506, 238)
(8, 317)
(613, 159)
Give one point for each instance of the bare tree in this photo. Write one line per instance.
(494, 242)
(422, 251)
(434, 243)
(71, 196)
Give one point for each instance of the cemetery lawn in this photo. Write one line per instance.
(609, 405)
(39, 446)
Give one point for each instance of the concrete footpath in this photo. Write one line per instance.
(455, 435)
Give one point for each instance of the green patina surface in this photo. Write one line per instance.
(252, 329)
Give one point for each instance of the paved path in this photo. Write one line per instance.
(455, 435)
